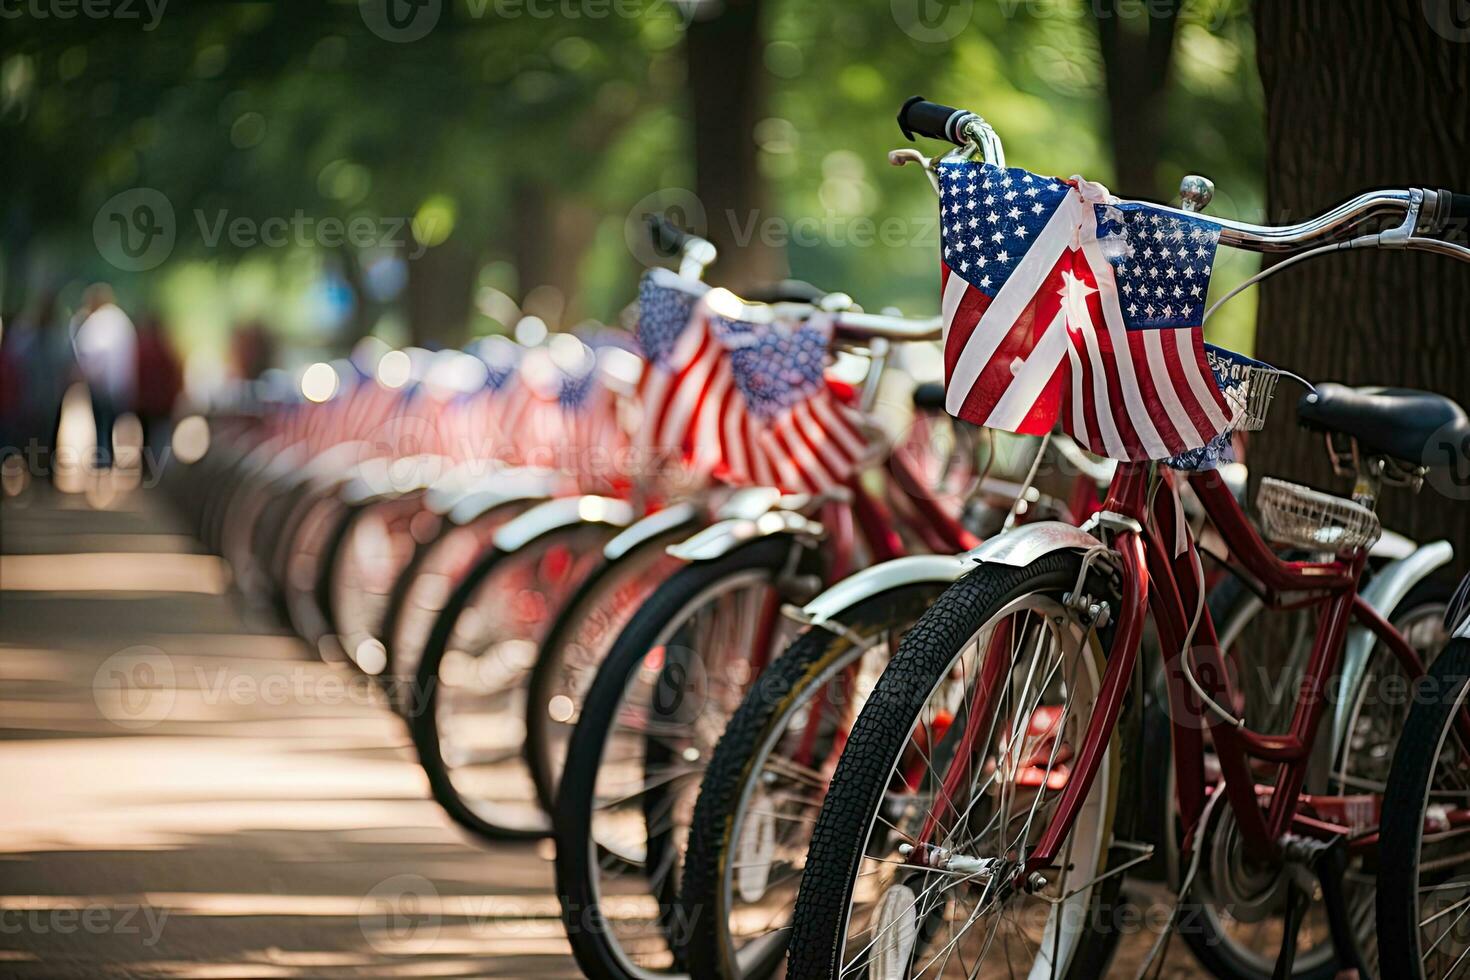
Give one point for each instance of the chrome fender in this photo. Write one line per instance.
(1025, 543)
(556, 514)
(725, 536)
(647, 528)
(1388, 588)
(386, 476)
(899, 572)
(464, 503)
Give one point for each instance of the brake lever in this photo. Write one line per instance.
(905, 155)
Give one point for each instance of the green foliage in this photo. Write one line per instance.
(257, 111)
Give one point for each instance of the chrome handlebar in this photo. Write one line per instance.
(1424, 212)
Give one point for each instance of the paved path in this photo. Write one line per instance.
(183, 795)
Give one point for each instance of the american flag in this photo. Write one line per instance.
(681, 358)
(805, 435)
(1059, 303)
(740, 394)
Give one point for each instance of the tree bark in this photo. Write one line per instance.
(439, 292)
(727, 98)
(1363, 94)
(1137, 51)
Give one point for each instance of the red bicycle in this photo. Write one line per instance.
(984, 812)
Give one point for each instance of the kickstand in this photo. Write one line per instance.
(1298, 900)
(1326, 861)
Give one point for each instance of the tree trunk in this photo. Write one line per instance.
(727, 95)
(1363, 94)
(1137, 51)
(550, 236)
(440, 292)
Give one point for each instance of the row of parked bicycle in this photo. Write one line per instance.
(805, 677)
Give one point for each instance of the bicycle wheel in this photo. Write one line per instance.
(1234, 913)
(767, 778)
(424, 588)
(577, 644)
(1424, 847)
(377, 545)
(650, 719)
(465, 711)
(978, 717)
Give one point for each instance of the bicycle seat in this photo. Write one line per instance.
(1405, 424)
(929, 396)
(785, 291)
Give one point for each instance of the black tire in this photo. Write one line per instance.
(803, 672)
(610, 596)
(579, 857)
(423, 704)
(841, 837)
(1437, 701)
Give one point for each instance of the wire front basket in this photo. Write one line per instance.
(1316, 521)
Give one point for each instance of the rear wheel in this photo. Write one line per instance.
(1423, 909)
(1234, 913)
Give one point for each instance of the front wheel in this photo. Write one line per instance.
(466, 708)
(951, 773)
(1424, 841)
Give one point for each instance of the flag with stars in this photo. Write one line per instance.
(1060, 303)
(780, 421)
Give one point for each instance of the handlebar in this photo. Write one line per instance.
(694, 253)
(1424, 212)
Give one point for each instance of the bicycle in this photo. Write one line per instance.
(982, 781)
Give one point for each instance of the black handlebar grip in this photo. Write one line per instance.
(940, 122)
(668, 238)
(929, 396)
(1460, 207)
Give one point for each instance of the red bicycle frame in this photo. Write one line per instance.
(1164, 580)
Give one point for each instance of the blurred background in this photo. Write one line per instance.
(430, 171)
(193, 194)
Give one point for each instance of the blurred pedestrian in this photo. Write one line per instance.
(106, 345)
(38, 362)
(160, 379)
